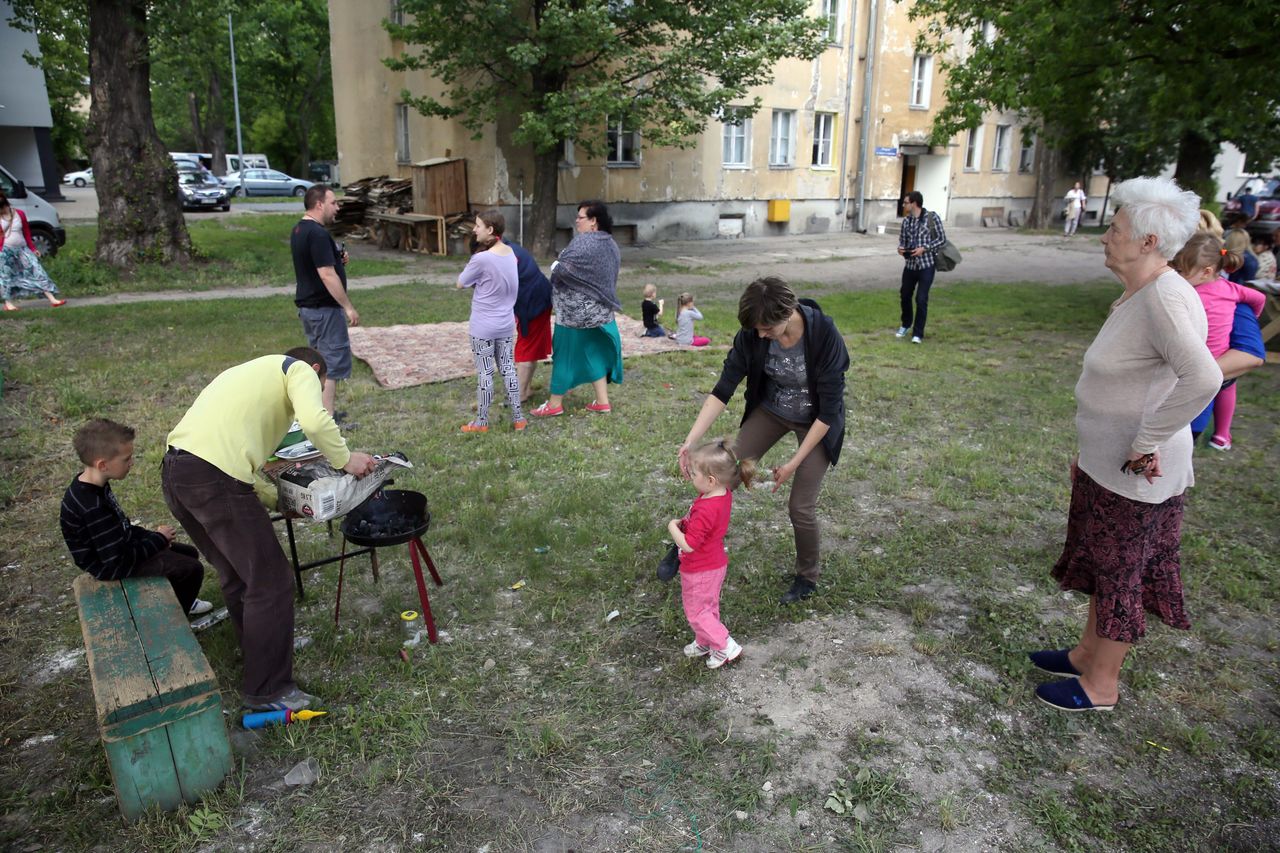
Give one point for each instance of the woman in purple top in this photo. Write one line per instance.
(492, 272)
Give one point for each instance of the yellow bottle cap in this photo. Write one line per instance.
(409, 615)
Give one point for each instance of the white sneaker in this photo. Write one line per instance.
(199, 607)
(720, 657)
(1218, 444)
(696, 650)
(915, 339)
(902, 332)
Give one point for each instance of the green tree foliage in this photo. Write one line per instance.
(62, 33)
(560, 69)
(1133, 84)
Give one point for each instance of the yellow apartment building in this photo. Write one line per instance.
(838, 140)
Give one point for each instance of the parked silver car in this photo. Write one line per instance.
(265, 182)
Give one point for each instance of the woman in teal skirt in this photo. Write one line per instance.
(586, 347)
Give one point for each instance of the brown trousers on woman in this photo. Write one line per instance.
(761, 431)
(231, 527)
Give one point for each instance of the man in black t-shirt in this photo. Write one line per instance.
(320, 269)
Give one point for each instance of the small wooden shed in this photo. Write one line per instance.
(440, 186)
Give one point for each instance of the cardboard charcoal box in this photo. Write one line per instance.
(316, 490)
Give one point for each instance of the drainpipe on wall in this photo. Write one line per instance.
(848, 106)
(864, 138)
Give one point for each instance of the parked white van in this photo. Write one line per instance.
(251, 161)
(46, 228)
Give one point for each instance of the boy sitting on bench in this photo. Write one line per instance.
(98, 533)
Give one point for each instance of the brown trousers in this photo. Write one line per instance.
(761, 431)
(180, 565)
(231, 527)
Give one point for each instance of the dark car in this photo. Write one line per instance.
(1267, 210)
(197, 191)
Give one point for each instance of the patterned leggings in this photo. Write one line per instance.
(485, 350)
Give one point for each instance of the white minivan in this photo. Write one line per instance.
(46, 229)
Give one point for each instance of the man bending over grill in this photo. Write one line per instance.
(232, 428)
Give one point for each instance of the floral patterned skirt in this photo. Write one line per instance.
(1125, 554)
(22, 275)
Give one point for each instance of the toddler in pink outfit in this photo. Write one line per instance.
(1202, 262)
(715, 471)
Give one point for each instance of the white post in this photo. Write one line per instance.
(235, 96)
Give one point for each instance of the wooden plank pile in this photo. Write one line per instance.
(371, 195)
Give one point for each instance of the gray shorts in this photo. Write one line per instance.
(326, 331)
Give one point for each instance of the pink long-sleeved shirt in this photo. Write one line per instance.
(1220, 298)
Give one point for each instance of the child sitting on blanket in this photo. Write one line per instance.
(686, 314)
(651, 310)
(99, 535)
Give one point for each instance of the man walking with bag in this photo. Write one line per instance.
(919, 241)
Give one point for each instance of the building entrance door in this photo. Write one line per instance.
(933, 180)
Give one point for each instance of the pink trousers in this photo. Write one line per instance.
(700, 592)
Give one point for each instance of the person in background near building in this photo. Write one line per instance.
(533, 317)
(492, 277)
(919, 241)
(320, 269)
(1075, 201)
(1145, 376)
(207, 477)
(20, 271)
(1236, 241)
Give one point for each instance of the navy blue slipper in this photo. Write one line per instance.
(1054, 662)
(1068, 695)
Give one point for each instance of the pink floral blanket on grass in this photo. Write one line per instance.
(403, 356)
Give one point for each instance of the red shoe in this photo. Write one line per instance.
(475, 427)
(58, 303)
(546, 410)
(599, 408)
(519, 425)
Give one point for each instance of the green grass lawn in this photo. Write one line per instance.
(240, 251)
(539, 723)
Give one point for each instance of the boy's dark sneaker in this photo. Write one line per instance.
(800, 590)
(294, 700)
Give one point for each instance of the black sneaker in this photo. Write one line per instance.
(800, 590)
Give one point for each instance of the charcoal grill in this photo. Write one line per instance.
(391, 517)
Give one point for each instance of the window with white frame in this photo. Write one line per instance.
(921, 81)
(402, 133)
(973, 150)
(824, 128)
(1000, 153)
(1027, 155)
(831, 11)
(624, 145)
(736, 140)
(782, 138)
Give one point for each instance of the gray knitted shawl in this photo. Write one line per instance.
(589, 265)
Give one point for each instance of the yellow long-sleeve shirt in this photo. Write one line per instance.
(240, 417)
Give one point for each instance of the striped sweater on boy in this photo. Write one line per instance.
(99, 535)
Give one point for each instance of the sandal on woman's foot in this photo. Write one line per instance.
(600, 408)
(546, 410)
(58, 303)
(519, 425)
(11, 307)
(475, 427)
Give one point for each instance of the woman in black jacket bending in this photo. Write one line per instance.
(794, 361)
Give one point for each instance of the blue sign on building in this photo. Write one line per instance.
(887, 152)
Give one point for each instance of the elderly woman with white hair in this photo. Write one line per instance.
(1145, 376)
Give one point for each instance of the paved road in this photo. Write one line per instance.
(81, 206)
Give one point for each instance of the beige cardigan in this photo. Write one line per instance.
(1146, 375)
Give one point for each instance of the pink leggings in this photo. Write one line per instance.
(1224, 409)
(700, 592)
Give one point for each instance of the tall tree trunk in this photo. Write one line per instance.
(139, 215)
(197, 132)
(215, 125)
(1048, 167)
(1195, 165)
(546, 178)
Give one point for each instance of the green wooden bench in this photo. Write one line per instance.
(159, 709)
